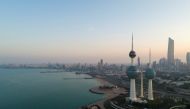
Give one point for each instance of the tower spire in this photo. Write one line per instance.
(132, 53)
(132, 74)
(132, 41)
(149, 57)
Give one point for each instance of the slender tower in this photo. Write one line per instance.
(150, 74)
(132, 74)
(139, 65)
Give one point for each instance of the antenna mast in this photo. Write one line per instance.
(150, 58)
(132, 41)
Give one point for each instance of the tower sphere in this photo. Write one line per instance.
(150, 73)
(132, 54)
(132, 72)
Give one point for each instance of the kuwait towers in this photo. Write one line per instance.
(150, 74)
(132, 74)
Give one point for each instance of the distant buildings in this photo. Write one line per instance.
(100, 66)
(170, 52)
(171, 64)
(162, 64)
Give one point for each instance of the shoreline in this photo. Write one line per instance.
(95, 90)
(109, 93)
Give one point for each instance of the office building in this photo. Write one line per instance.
(170, 56)
(188, 58)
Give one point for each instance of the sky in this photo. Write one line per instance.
(72, 31)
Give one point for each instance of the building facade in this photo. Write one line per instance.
(170, 56)
(188, 58)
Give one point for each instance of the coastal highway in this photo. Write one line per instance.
(117, 81)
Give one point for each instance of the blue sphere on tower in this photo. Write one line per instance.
(132, 72)
(150, 73)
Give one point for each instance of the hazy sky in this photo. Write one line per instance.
(40, 31)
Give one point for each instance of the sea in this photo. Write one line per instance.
(45, 89)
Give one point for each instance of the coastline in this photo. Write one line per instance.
(109, 93)
(96, 91)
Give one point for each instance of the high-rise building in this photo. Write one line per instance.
(178, 65)
(162, 64)
(188, 58)
(101, 62)
(100, 66)
(170, 51)
(132, 74)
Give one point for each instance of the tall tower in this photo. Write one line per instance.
(170, 51)
(139, 65)
(132, 74)
(150, 74)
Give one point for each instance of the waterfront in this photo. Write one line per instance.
(30, 89)
(110, 90)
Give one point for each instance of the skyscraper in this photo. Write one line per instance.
(170, 51)
(101, 62)
(100, 66)
(188, 58)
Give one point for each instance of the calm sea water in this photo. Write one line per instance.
(30, 89)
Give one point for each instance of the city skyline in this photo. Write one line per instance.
(86, 31)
